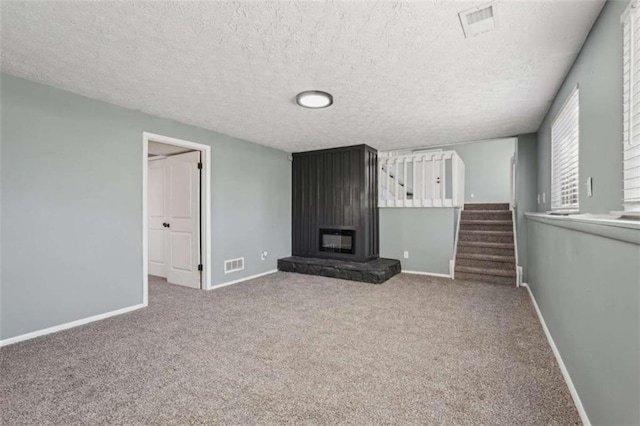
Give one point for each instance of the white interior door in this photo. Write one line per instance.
(157, 202)
(183, 179)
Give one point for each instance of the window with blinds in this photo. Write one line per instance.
(631, 109)
(564, 156)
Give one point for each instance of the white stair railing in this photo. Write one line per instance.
(420, 180)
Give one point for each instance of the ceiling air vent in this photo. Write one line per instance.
(479, 20)
(233, 265)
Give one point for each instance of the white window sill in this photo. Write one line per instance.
(604, 225)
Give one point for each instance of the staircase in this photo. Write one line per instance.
(486, 250)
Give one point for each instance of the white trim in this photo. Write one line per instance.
(515, 247)
(632, 5)
(430, 274)
(206, 208)
(604, 220)
(145, 220)
(67, 325)
(563, 368)
(243, 279)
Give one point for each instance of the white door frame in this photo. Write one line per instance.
(205, 207)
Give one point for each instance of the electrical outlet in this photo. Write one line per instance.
(263, 255)
(406, 254)
(538, 198)
(472, 195)
(544, 197)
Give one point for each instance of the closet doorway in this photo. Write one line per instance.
(176, 206)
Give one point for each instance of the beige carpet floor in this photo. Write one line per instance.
(296, 349)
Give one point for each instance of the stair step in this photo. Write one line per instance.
(486, 212)
(491, 279)
(485, 271)
(487, 206)
(486, 215)
(485, 263)
(486, 236)
(505, 233)
(486, 225)
(489, 257)
(485, 244)
(486, 222)
(486, 248)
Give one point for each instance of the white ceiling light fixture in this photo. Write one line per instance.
(479, 20)
(314, 99)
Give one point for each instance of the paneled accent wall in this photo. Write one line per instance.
(335, 189)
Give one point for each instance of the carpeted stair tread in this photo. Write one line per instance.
(491, 279)
(486, 215)
(486, 212)
(485, 244)
(488, 233)
(485, 206)
(489, 257)
(486, 222)
(485, 271)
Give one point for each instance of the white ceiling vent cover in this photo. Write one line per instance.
(233, 265)
(479, 20)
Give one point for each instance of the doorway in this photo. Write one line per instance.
(176, 212)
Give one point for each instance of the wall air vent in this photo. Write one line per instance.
(479, 20)
(233, 265)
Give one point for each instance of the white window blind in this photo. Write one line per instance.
(631, 108)
(564, 155)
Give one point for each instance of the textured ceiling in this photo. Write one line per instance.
(402, 73)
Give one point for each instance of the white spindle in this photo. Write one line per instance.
(423, 182)
(404, 181)
(413, 181)
(443, 185)
(434, 178)
(381, 201)
(454, 180)
(396, 174)
(388, 178)
(429, 188)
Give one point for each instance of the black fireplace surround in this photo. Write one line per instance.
(335, 204)
(335, 216)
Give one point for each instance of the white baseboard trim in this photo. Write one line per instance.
(431, 274)
(243, 279)
(563, 368)
(65, 326)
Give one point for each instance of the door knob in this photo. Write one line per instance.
(166, 225)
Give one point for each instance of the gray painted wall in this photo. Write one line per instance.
(72, 205)
(487, 166)
(526, 185)
(587, 289)
(426, 233)
(587, 285)
(598, 72)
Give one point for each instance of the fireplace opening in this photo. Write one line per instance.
(338, 241)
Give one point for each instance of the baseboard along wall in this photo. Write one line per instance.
(251, 277)
(67, 325)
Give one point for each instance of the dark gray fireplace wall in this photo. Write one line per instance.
(335, 188)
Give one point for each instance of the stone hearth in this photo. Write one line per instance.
(375, 272)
